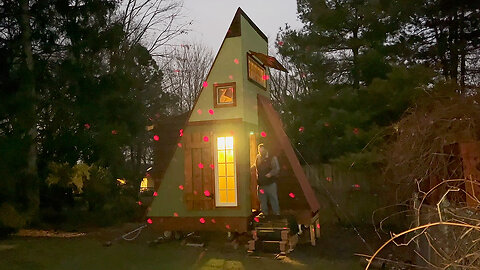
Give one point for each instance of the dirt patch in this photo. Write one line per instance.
(7, 247)
(45, 233)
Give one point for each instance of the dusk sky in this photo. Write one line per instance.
(211, 18)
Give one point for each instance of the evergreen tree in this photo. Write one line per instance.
(356, 85)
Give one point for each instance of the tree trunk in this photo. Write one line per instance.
(355, 70)
(28, 86)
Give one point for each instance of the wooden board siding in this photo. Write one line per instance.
(198, 180)
(253, 173)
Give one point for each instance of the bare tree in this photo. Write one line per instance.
(153, 23)
(283, 84)
(185, 70)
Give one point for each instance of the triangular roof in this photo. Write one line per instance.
(235, 29)
(266, 107)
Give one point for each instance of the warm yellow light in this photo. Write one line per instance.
(227, 187)
(121, 181)
(229, 155)
(144, 183)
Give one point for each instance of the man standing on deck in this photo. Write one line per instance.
(268, 170)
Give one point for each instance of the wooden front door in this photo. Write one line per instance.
(199, 171)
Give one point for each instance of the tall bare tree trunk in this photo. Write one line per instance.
(28, 86)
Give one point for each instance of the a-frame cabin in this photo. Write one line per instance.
(209, 183)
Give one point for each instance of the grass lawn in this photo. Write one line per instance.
(87, 252)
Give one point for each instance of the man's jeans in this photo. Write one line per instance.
(268, 193)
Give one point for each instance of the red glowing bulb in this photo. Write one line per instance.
(356, 131)
(156, 137)
(213, 221)
(301, 129)
(175, 214)
(87, 126)
(318, 226)
(202, 220)
(181, 132)
(230, 77)
(205, 139)
(179, 145)
(205, 84)
(227, 226)
(155, 194)
(180, 187)
(114, 132)
(262, 191)
(207, 193)
(291, 195)
(199, 111)
(256, 219)
(200, 165)
(236, 61)
(149, 221)
(280, 43)
(263, 134)
(329, 179)
(139, 203)
(212, 166)
(210, 111)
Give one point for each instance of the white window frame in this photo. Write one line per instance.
(217, 193)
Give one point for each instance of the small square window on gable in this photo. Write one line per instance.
(224, 95)
(256, 71)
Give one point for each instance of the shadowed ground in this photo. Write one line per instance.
(334, 251)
